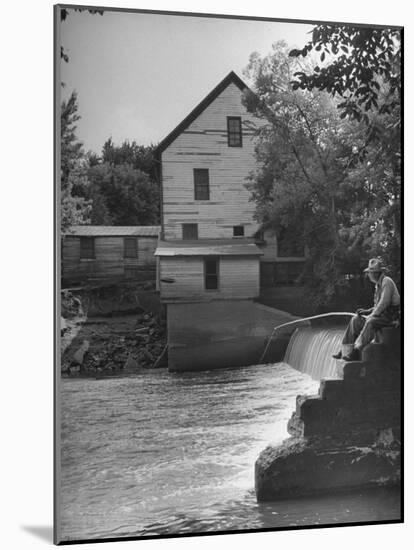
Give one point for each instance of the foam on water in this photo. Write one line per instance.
(171, 453)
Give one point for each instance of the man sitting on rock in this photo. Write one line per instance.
(386, 310)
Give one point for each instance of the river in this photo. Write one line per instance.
(163, 453)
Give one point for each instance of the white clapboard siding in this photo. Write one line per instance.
(204, 145)
(238, 278)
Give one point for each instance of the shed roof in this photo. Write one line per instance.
(231, 78)
(217, 247)
(114, 231)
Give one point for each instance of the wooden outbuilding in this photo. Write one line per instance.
(97, 253)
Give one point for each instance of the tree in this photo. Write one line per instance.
(364, 68)
(129, 196)
(140, 157)
(74, 208)
(64, 13)
(311, 174)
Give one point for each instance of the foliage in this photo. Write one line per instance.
(64, 13)
(364, 68)
(74, 208)
(318, 172)
(113, 189)
(127, 194)
(139, 157)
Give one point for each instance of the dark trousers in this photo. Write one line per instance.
(361, 331)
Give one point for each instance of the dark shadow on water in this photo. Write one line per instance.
(43, 532)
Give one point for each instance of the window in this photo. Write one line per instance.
(201, 184)
(238, 231)
(130, 247)
(87, 248)
(211, 273)
(190, 231)
(259, 237)
(234, 131)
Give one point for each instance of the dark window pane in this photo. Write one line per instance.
(130, 247)
(234, 132)
(211, 282)
(211, 267)
(211, 273)
(201, 184)
(87, 247)
(238, 231)
(190, 231)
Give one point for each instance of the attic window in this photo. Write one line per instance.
(234, 131)
(87, 248)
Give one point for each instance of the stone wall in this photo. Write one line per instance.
(347, 436)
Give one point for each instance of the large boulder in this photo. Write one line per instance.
(301, 467)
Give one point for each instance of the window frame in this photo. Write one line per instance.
(215, 259)
(90, 255)
(184, 238)
(135, 241)
(196, 174)
(230, 133)
(238, 227)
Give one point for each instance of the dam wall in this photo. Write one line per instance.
(223, 333)
(347, 436)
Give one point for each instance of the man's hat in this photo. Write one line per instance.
(375, 265)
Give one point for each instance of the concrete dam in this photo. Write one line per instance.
(346, 437)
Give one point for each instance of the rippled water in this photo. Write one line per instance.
(164, 453)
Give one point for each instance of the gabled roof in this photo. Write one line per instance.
(113, 231)
(231, 78)
(208, 247)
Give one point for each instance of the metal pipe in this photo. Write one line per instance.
(334, 313)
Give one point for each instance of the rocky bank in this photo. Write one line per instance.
(110, 332)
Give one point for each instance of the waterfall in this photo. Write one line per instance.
(310, 351)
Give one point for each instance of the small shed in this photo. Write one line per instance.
(97, 252)
(208, 270)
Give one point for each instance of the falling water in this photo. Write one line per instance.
(310, 351)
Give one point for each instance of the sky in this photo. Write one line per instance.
(138, 75)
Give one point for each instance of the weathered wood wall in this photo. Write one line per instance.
(204, 145)
(238, 278)
(109, 259)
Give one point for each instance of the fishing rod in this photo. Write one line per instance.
(334, 313)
